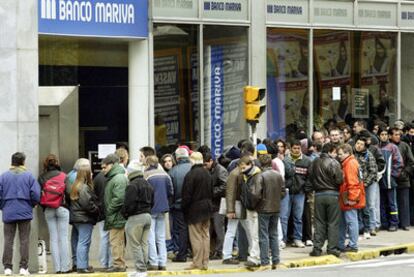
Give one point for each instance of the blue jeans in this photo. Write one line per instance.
(58, 223)
(81, 241)
(268, 236)
(294, 203)
(157, 250)
(180, 233)
(348, 224)
(369, 216)
(105, 257)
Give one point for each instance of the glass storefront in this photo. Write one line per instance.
(287, 81)
(176, 85)
(354, 76)
(226, 72)
(407, 73)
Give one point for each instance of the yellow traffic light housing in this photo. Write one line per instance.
(252, 107)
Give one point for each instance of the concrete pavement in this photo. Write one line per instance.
(385, 243)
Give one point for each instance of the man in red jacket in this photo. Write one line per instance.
(352, 198)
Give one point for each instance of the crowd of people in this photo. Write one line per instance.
(338, 186)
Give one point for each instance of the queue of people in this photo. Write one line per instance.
(246, 205)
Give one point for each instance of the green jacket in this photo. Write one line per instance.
(114, 197)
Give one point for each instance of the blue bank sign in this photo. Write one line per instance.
(94, 18)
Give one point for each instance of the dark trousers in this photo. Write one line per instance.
(389, 208)
(9, 230)
(307, 217)
(268, 237)
(218, 229)
(403, 200)
(327, 217)
(412, 203)
(242, 243)
(180, 233)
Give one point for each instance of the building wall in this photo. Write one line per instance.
(18, 90)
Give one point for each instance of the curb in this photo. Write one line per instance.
(307, 262)
(382, 251)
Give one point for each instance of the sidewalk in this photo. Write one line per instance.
(384, 243)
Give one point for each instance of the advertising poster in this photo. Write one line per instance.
(167, 90)
(225, 75)
(287, 83)
(360, 103)
(333, 66)
(378, 71)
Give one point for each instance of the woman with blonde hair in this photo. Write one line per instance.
(83, 216)
(56, 212)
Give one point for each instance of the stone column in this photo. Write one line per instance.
(258, 55)
(139, 99)
(18, 94)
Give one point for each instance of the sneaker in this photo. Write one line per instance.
(309, 243)
(8, 272)
(162, 268)
(336, 253)
(231, 261)
(282, 245)
(151, 267)
(274, 266)
(373, 233)
(298, 243)
(367, 235)
(24, 272)
(350, 249)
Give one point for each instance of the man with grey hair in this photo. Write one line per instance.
(197, 205)
(180, 228)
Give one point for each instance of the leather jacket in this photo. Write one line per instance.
(325, 174)
(271, 187)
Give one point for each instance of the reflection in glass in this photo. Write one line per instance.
(287, 82)
(175, 85)
(226, 71)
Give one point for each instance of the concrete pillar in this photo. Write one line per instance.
(257, 45)
(18, 94)
(139, 101)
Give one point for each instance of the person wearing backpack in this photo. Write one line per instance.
(52, 182)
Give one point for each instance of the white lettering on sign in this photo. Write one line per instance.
(217, 110)
(86, 11)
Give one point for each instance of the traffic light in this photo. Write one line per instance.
(252, 107)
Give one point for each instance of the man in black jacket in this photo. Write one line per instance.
(197, 206)
(326, 176)
(219, 178)
(271, 189)
(403, 181)
(139, 199)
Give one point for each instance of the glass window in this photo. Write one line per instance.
(226, 72)
(176, 85)
(287, 82)
(355, 77)
(407, 80)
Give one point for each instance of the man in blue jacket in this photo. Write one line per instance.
(19, 193)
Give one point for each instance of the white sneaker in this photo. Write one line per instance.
(298, 243)
(367, 235)
(309, 243)
(8, 272)
(282, 245)
(24, 272)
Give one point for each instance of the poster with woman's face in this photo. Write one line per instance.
(287, 82)
(333, 68)
(377, 51)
